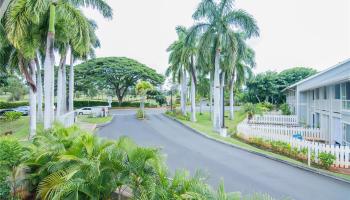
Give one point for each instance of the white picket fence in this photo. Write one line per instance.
(307, 133)
(342, 153)
(275, 119)
(67, 119)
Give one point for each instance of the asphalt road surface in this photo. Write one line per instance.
(240, 170)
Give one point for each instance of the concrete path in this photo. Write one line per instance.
(241, 171)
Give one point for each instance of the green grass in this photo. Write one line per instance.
(204, 125)
(95, 120)
(19, 128)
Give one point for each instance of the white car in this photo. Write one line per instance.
(85, 111)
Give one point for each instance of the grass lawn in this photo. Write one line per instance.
(95, 120)
(19, 128)
(204, 125)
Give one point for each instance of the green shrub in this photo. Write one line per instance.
(4, 184)
(327, 159)
(12, 116)
(285, 109)
(86, 103)
(267, 106)
(140, 114)
(6, 105)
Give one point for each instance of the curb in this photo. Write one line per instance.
(312, 170)
(104, 124)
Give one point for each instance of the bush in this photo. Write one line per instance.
(327, 159)
(267, 106)
(86, 103)
(285, 109)
(140, 114)
(12, 116)
(6, 105)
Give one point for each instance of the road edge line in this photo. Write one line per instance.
(315, 171)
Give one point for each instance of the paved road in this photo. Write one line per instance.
(241, 171)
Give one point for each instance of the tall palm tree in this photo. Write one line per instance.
(217, 24)
(68, 7)
(182, 57)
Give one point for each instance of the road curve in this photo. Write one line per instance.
(241, 170)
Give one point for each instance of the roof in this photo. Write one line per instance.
(318, 74)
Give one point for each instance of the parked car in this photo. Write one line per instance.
(85, 111)
(23, 109)
(2, 112)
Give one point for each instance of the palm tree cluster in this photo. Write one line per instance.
(68, 163)
(32, 32)
(215, 46)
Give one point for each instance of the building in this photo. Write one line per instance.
(323, 101)
(3, 6)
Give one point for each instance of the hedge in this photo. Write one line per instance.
(6, 105)
(81, 103)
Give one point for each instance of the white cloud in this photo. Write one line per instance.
(309, 33)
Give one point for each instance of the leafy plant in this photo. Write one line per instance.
(12, 116)
(285, 109)
(327, 159)
(252, 109)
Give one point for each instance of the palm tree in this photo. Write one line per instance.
(182, 60)
(69, 8)
(218, 21)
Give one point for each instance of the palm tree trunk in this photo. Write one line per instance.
(193, 100)
(59, 90)
(71, 83)
(216, 117)
(32, 101)
(211, 96)
(222, 100)
(143, 106)
(183, 92)
(40, 113)
(48, 73)
(231, 100)
(64, 87)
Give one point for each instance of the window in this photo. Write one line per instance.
(318, 93)
(313, 94)
(347, 132)
(325, 93)
(337, 91)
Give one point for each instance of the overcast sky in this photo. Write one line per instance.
(310, 33)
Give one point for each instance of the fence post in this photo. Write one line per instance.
(308, 155)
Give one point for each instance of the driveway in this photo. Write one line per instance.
(240, 170)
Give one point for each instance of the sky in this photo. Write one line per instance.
(293, 33)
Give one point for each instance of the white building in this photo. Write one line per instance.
(323, 101)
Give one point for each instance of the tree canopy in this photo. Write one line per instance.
(114, 73)
(267, 86)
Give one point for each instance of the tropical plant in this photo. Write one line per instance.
(327, 159)
(142, 88)
(216, 27)
(12, 116)
(251, 110)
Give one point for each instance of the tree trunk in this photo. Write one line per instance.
(48, 73)
(64, 87)
(222, 100)
(183, 92)
(39, 84)
(143, 106)
(216, 116)
(211, 96)
(71, 83)
(59, 90)
(193, 100)
(231, 100)
(32, 102)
